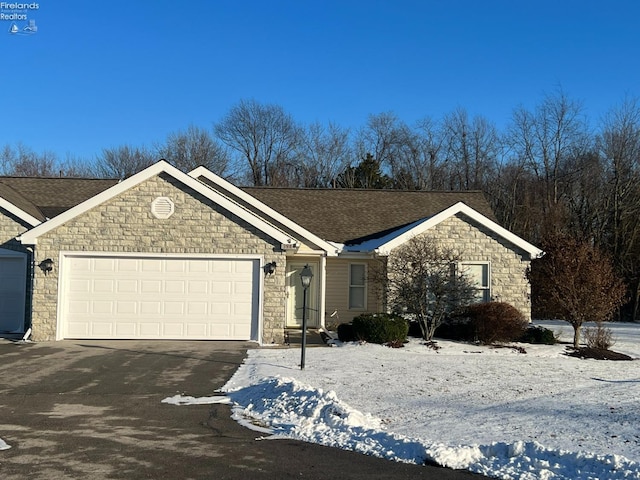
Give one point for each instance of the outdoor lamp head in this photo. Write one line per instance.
(305, 276)
(46, 265)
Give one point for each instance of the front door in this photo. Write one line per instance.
(295, 294)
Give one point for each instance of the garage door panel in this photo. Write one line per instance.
(78, 329)
(223, 266)
(198, 330)
(174, 308)
(197, 287)
(102, 307)
(80, 307)
(170, 298)
(151, 308)
(151, 329)
(175, 286)
(104, 265)
(127, 265)
(173, 330)
(151, 265)
(242, 288)
(124, 329)
(80, 286)
(195, 266)
(80, 265)
(104, 286)
(150, 286)
(126, 308)
(101, 330)
(126, 286)
(220, 287)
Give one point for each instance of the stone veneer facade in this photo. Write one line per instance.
(11, 227)
(477, 243)
(125, 224)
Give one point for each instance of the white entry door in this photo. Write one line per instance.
(295, 295)
(13, 290)
(181, 297)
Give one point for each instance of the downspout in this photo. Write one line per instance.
(31, 278)
(323, 289)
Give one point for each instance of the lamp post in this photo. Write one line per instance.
(305, 276)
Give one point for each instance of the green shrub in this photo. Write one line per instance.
(496, 322)
(456, 329)
(380, 328)
(346, 333)
(539, 335)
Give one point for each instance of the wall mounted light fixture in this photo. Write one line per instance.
(269, 268)
(46, 265)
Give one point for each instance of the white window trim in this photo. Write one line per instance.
(464, 264)
(363, 287)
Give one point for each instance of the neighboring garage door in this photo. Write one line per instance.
(13, 287)
(124, 297)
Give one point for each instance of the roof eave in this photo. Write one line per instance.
(30, 237)
(328, 247)
(18, 212)
(460, 207)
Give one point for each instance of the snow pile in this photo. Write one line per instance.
(532, 461)
(4, 445)
(288, 409)
(539, 415)
(189, 400)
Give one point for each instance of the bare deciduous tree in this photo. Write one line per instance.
(546, 140)
(575, 281)
(471, 149)
(264, 136)
(619, 145)
(22, 161)
(324, 153)
(123, 161)
(421, 279)
(194, 147)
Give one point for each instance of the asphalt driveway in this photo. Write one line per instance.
(92, 410)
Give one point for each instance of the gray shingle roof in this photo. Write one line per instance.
(47, 197)
(351, 216)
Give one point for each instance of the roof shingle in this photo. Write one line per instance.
(352, 215)
(47, 197)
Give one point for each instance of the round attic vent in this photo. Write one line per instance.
(162, 208)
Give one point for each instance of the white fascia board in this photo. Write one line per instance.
(21, 214)
(460, 207)
(30, 237)
(328, 247)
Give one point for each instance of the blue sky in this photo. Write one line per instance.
(102, 74)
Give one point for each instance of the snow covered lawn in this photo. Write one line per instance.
(539, 415)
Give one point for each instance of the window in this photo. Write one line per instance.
(357, 287)
(480, 275)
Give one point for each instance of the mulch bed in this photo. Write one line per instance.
(596, 354)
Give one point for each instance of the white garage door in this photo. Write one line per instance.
(159, 298)
(13, 286)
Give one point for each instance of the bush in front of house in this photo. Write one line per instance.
(458, 328)
(496, 322)
(380, 328)
(346, 333)
(538, 335)
(599, 337)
